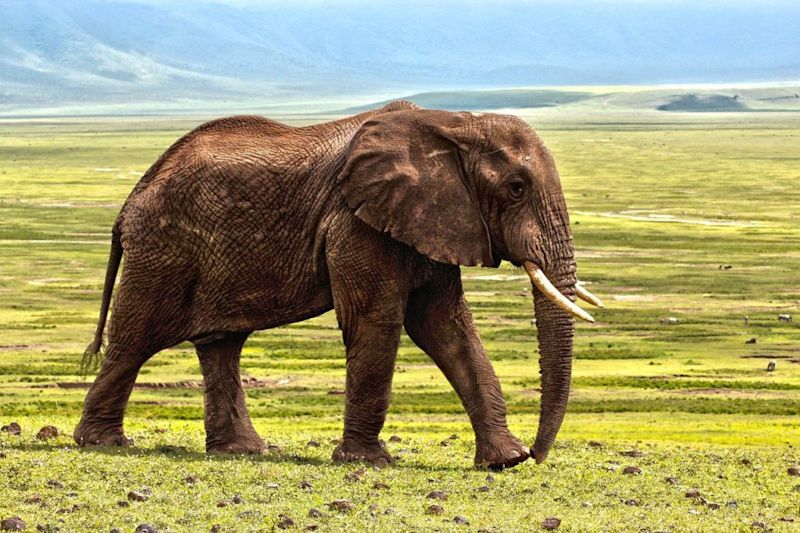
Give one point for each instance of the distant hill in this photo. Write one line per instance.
(694, 99)
(176, 52)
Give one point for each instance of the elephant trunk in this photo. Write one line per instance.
(555, 330)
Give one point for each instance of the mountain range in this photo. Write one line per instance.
(172, 53)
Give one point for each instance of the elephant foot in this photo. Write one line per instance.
(241, 445)
(351, 450)
(500, 451)
(88, 435)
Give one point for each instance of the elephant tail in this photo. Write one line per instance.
(93, 354)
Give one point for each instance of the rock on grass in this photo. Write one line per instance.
(13, 429)
(434, 509)
(315, 513)
(47, 433)
(136, 496)
(460, 520)
(632, 470)
(145, 528)
(437, 495)
(343, 506)
(793, 470)
(551, 522)
(284, 522)
(14, 523)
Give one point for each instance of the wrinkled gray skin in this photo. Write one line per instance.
(246, 224)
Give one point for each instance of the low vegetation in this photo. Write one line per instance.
(686, 223)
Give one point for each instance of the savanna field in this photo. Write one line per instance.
(687, 224)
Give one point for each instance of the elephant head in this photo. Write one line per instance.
(468, 190)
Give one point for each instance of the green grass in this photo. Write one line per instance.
(659, 201)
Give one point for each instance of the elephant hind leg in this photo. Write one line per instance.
(142, 324)
(104, 408)
(228, 425)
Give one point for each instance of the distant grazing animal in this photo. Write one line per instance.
(785, 318)
(247, 224)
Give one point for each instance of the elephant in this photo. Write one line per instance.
(246, 224)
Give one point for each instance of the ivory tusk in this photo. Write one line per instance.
(587, 296)
(543, 284)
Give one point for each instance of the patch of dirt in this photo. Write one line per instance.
(15, 347)
(765, 356)
(247, 383)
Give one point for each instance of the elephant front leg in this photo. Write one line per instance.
(438, 320)
(371, 352)
(228, 426)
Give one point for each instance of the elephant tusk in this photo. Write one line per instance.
(587, 296)
(543, 284)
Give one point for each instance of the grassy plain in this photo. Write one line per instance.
(675, 215)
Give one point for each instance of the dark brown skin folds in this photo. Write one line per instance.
(247, 224)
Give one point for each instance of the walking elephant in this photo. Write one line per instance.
(246, 224)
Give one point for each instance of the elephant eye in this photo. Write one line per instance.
(516, 188)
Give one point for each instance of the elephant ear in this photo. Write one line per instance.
(403, 175)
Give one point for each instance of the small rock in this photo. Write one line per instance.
(389, 511)
(373, 509)
(758, 525)
(343, 506)
(551, 522)
(379, 485)
(145, 528)
(137, 496)
(692, 493)
(460, 520)
(315, 513)
(632, 470)
(14, 523)
(216, 528)
(55, 484)
(751, 340)
(191, 480)
(595, 444)
(395, 438)
(272, 486)
(115, 530)
(713, 505)
(633, 502)
(123, 503)
(312, 444)
(34, 498)
(222, 504)
(237, 499)
(786, 519)
(745, 461)
(12, 429)
(356, 475)
(631, 453)
(587, 505)
(489, 478)
(47, 432)
(484, 488)
(793, 470)
(671, 480)
(305, 485)
(437, 495)
(434, 509)
(732, 504)
(771, 366)
(284, 522)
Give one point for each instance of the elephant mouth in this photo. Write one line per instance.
(540, 280)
